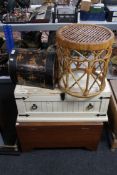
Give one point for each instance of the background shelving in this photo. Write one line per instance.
(54, 26)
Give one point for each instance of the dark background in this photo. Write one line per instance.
(8, 111)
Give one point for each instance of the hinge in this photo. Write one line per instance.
(22, 98)
(98, 115)
(104, 98)
(26, 115)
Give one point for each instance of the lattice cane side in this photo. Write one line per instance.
(91, 65)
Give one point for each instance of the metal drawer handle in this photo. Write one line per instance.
(90, 106)
(34, 107)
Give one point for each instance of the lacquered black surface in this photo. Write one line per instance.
(33, 68)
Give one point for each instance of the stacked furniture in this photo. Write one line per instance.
(72, 114)
(35, 27)
(46, 119)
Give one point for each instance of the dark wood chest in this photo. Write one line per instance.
(59, 135)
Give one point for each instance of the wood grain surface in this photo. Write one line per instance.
(59, 135)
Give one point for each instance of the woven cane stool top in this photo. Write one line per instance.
(85, 37)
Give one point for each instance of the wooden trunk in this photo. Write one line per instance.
(59, 135)
(49, 118)
(42, 105)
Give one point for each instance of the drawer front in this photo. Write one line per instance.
(59, 106)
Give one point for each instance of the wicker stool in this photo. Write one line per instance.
(83, 55)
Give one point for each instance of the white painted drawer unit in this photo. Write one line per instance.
(38, 105)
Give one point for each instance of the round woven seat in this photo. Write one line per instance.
(83, 53)
(85, 37)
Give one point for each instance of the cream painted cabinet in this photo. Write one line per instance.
(38, 105)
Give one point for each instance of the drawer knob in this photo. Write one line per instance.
(90, 106)
(34, 107)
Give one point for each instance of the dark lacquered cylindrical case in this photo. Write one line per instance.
(33, 67)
